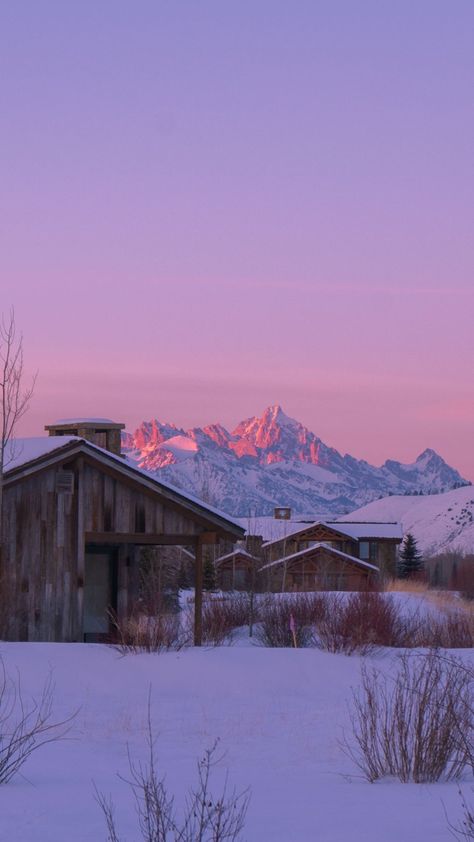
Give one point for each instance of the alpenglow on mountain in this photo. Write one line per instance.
(274, 460)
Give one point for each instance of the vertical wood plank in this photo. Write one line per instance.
(77, 632)
(198, 596)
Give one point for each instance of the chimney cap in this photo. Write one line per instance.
(85, 423)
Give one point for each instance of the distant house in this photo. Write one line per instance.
(371, 542)
(75, 516)
(305, 555)
(236, 570)
(318, 567)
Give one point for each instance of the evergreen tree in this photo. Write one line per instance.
(411, 560)
(209, 575)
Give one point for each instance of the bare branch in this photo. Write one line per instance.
(14, 397)
(24, 728)
(206, 818)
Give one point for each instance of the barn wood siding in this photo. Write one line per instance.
(43, 565)
(114, 505)
(39, 568)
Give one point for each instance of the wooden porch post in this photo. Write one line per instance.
(198, 595)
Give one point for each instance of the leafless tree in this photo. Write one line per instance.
(14, 396)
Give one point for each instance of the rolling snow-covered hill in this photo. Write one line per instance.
(439, 522)
(274, 460)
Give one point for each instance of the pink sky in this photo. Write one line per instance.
(207, 208)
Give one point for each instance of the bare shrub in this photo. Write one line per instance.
(454, 630)
(25, 727)
(361, 622)
(465, 830)
(282, 620)
(416, 725)
(222, 616)
(207, 817)
(144, 633)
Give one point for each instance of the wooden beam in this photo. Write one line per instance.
(138, 538)
(208, 537)
(198, 595)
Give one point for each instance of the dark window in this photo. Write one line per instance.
(139, 517)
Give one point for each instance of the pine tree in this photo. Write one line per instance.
(411, 560)
(209, 575)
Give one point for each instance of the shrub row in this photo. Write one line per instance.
(358, 622)
(335, 622)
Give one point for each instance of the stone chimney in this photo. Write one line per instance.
(99, 431)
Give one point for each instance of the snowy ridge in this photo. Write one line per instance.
(274, 460)
(439, 522)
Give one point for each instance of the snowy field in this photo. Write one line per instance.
(277, 712)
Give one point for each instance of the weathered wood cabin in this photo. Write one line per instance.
(375, 543)
(75, 516)
(237, 571)
(319, 567)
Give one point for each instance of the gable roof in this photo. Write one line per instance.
(356, 530)
(306, 528)
(236, 552)
(360, 530)
(28, 456)
(321, 546)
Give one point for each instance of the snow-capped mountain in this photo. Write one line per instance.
(439, 522)
(274, 460)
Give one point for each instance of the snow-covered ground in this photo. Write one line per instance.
(439, 522)
(277, 712)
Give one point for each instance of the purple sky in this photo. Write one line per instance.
(207, 207)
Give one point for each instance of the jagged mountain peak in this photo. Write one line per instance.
(271, 416)
(275, 435)
(429, 455)
(272, 458)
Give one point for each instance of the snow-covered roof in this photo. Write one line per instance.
(21, 451)
(82, 421)
(369, 529)
(26, 451)
(275, 530)
(271, 528)
(304, 528)
(321, 545)
(238, 551)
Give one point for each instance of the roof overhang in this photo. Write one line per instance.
(212, 520)
(319, 549)
(301, 533)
